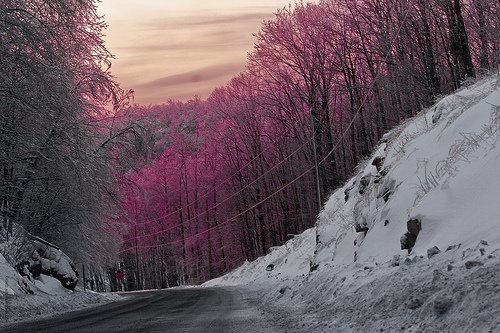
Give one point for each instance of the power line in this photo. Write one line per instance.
(223, 183)
(228, 197)
(356, 114)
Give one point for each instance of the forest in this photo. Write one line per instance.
(185, 191)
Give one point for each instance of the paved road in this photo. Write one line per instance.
(207, 310)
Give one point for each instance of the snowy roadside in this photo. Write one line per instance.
(17, 308)
(455, 291)
(24, 298)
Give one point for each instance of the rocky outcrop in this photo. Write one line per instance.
(410, 237)
(42, 257)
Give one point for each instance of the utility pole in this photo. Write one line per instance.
(136, 257)
(316, 166)
(318, 188)
(84, 278)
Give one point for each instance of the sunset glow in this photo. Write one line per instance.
(173, 49)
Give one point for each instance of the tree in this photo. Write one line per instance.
(54, 83)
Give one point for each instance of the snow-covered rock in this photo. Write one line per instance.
(38, 295)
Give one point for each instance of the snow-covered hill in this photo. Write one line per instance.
(432, 187)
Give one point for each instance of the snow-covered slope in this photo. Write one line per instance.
(30, 295)
(439, 171)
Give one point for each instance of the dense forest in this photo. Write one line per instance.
(224, 179)
(182, 192)
(56, 92)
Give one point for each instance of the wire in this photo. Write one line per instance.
(225, 199)
(336, 146)
(222, 183)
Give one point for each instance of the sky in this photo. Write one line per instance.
(177, 49)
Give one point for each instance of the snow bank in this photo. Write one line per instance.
(25, 299)
(430, 187)
(10, 280)
(29, 297)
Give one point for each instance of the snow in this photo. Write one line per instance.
(23, 298)
(50, 285)
(8, 278)
(440, 168)
(42, 305)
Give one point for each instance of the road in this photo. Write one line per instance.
(207, 310)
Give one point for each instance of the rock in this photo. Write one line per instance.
(404, 242)
(414, 303)
(364, 182)
(36, 269)
(450, 267)
(482, 250)
(483, 242)
(378, 162)
(453, 247)
(386, 190)
(283, 289)
(386, 223)
(313, 267)
(270, 267)
(436, 115)
(387, 137)
(385, 194)
(473, 263)
(442, 305)
(408, 239)
(467, 253)
(55, 263)
(347, 191)
(408, 261)
(433, 251)
(360, 228)
(395, 261)
(414, 227)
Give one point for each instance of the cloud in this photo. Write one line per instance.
(209, 73)
(203, 41)
(195, 51)
(194, 21)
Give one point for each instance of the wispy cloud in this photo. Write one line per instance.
(196, 21)
(177, 54)
(195, 76)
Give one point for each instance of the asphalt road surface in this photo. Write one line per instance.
(207, 310)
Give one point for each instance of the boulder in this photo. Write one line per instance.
(409, 239)
(360, 227)
(378, 162)
(433, 251)
(473, 263)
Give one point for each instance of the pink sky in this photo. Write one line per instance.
(177, 49)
